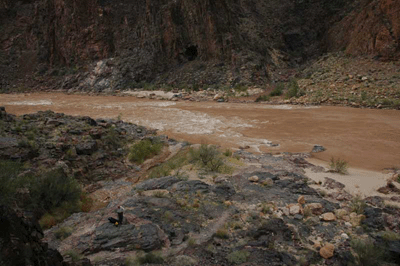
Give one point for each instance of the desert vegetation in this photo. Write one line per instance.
(338, 165)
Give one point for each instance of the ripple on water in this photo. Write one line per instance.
(128, 105)
(187, 122)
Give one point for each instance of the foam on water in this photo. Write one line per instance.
(40, 102)
(187, 122)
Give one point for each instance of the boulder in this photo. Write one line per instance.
(375, 201)
(333, 184)
(273, 230)
(253, 178)
(191, 186)
(327, 251)
(225, 190)
(86, 148)
(315, 208)
(157, 183)
(356, 219)
(340, 213)
(344, 236)
(328, 217)
(318, 148)
(6, 142)
(294, 209)
(53, 122)
(146, 237)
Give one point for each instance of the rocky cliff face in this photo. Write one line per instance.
(20, 241)
(373, 28)
(201, 42)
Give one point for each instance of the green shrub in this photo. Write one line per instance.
(222, 233)
(367, 254)
(75, 255)
(364, 95)
(266, 208)
(294, 90)
(149, 86)
(160, 171)
(145, 149)
(238, 257)
(70, 154)
(357, 205)
(112, 139)
(228, 153)
(63, 232)
(240, 88)
(47, 221)
(390, 236)
(166, 168)
(23, 143)
(191, 242)
(338, 166)
(278, 90)
(150, 258)
(168, 216)
(208, 156)
(86, 202)
(54, 189)
(9, 180)
(263, 98)
(159, 194)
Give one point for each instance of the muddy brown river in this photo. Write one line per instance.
(368, 139)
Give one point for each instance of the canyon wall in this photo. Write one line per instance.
(372, 28)
(202, 41)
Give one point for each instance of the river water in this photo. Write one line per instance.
(366, 138)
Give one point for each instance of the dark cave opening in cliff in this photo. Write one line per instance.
(191, 52)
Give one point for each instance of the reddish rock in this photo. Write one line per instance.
(315, 208)
(301, 200)
(327, 251)
(372, 28)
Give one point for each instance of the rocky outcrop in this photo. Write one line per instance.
(122, 44)
(20, 241)
(146, 237)
(80, 145)
(267, 206)
(373, 28)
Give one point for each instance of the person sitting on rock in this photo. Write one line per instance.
(120, 212)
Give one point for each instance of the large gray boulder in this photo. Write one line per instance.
(146, 237)
(157, 183)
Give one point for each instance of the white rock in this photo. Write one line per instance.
(329, 216)
(253, 178)
(285, 211)
(344, 236)
(295, 209)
